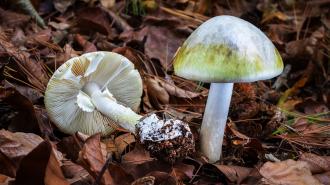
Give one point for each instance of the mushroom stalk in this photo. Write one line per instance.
(107, 105)
(214, 120)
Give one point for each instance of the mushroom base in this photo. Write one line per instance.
(169, 140)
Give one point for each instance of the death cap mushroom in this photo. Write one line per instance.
(224, 50)
(67, 101)
(227, 49)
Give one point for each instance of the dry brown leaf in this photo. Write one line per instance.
(40, 167)
(148, 180)
(161, 42)
(63, 5)
(108, 3)
(316, 163)
(324, 178)
(121, 143)
(13, 19)
(92, 159)
(137, 156)
(119, 175)
(157, 94)
(13, 147)
(95, 18)
(233, 173)
(288, 172)
(26, 120)
(183, 171)
(85, 44)
(32, 69)
(73, 172)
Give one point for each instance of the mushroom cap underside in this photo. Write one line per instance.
(110, 71)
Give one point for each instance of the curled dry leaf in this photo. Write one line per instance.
(85, 44)
(149, 180)
(324, 178)
(137, 156)
(73, 172)
(316, 163)
(121, 143)
(235, 174)
(96, 18)
(71, 146)
(157, 94)
(92, 159)
(32, 69)
(26, 112)
(288, 172)
(13, 147)
(183, 171)
(119, 175)
(41, 167)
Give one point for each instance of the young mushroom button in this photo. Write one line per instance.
(224, 50)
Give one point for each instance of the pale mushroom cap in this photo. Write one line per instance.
(227, 49)
(64, 91)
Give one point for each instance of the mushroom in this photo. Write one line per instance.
(224, 50)
(96, 91)
(93, 93)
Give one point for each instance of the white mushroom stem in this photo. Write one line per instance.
(107, 105)
(214, 120)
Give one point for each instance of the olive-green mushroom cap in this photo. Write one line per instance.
(227, 49)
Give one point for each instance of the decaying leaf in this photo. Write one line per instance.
(122, 142)
(41, 167)
(234, 174)
(13, 147)
(288, 172)
(316, 163)
(137, 156)
(92, 159)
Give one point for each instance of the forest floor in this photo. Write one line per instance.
(278, 130)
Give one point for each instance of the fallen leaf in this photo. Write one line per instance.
(92, 159)
(163, 178)
(235, 174)
(73, 172)
(137, 156)
(141, 169)
(157, 94)
(85, 44)
(13, 19)
(32, 69)
(316, 163)
(40, 167)
(63, 5)
(183, 171)
(324, 178)
(122, 142)
(288, 172)
(160, 42)
(119, 175)
(148, 180)
(13, 147)
(95, 18)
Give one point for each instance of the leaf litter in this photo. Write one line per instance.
(278, 130)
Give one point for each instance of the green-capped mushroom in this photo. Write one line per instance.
(224, 50)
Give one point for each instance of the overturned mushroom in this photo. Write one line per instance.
(95, 92)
